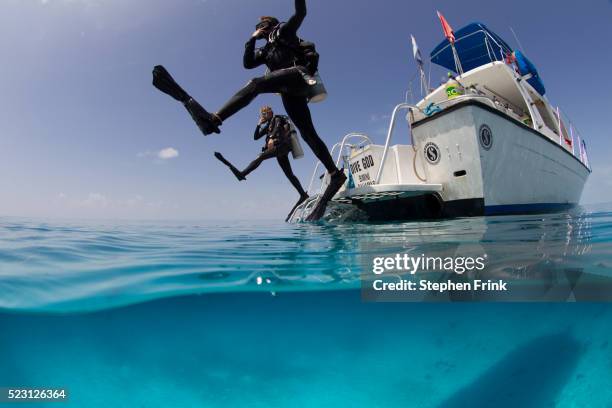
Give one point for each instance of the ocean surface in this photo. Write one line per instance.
(266, 314)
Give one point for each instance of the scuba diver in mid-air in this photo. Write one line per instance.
(292, 64)
(278, 132)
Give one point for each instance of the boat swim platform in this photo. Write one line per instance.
(367, 194)
(379, 192)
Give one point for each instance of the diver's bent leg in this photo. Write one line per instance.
(297, 109)
(273, 82)
(240, 100)
(283, 161)
(233, 169)
(268, 154)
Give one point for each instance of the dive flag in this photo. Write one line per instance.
(448, 31)
(416, 52)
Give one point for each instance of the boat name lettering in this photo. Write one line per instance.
(366, 162)
(364, 177)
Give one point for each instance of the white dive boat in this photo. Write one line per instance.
(486, 142)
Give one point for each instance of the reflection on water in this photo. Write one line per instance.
(88, 266)
(551, 257)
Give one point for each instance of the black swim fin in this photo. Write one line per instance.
(207, 123)
(337, 180)
(234, 170)
(163, 81)
(300, 201)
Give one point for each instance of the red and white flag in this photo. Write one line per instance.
(448, 30)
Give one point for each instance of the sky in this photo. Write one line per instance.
(83, 134)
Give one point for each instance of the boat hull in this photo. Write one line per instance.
(488, 164)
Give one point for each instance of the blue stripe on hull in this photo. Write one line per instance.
(526, 208)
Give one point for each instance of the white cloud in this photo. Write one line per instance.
(168, 153)
(164, 154)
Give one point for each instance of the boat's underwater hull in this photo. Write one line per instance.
(432, 207)
(488, 164)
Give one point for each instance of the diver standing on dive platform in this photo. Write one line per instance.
(292, 64)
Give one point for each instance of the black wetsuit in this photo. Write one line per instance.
(278, 144)
(285, 77)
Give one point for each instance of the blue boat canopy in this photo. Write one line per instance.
(476, 45)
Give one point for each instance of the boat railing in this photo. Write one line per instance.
(340, 146)
(365, 139)
(571, 133)
(401, 106)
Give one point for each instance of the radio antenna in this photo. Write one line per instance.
(517, 41)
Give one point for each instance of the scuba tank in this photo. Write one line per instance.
(316, 89)
(296, 148)
(294, 141)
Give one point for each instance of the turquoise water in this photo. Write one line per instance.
(263, 314)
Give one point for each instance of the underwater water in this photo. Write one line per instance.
(264, 314)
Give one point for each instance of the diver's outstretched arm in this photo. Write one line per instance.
(295, 21)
